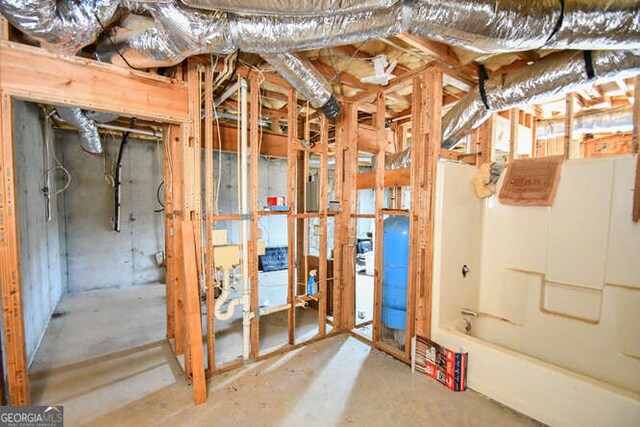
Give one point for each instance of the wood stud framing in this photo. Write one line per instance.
(12, 317)
(636, 145)
(209, 217)
(37, 75)
(254, 137)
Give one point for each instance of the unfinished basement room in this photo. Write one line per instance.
(320, 213)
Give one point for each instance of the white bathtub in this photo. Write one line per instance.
(540, 390)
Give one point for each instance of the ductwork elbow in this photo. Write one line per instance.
(302, 75)
(61, 26)
(89, 136)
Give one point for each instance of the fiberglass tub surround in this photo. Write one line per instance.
(548, 283)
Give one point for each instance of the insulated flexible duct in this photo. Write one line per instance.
(290, 7)
(181, 32)
(307, 80)
(89, 136)
(494, 26)
(547, 79)
(619, 120)
(63, 26)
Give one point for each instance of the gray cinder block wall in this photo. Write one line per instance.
(97, 256)
(42, 243)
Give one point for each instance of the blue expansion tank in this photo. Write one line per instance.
(395, 272)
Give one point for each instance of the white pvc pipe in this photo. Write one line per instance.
(222, 299)
(244, 213)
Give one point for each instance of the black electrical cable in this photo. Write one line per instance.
(159, 198)
(114, 45)
(558, 23)
(118, 182)
(482, 78)
(588, 64)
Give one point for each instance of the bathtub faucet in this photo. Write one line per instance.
(468, 312)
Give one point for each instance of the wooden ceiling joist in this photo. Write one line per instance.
(440, 51)
(38, 75)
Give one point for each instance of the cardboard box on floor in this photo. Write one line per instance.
(445, 366)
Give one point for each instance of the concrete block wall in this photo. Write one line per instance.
(97, 256)
(42, 243)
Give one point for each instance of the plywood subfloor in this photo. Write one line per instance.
(106, 361)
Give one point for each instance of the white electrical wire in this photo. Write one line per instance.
(107, 172)
(57, 164)
(215, 115)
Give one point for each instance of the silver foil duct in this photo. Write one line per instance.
(178, 33)
(494, 26)
(290, 7)
(305, 79)
(545, 80)
(89, 136)
(281, 34)
(399, 160)
(598, 24)
(64, 26)
(181, 32)
(619, 120)
(486, 25)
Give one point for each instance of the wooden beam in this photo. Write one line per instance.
(193, 317)
(433, 107)
(37, 75)
(176, 145)
(292, 134)
(209, 218)
(442, 52)
(368, 139)
(392, 178)
(170, 262)
(636, 145)
(513, 133)
(10, 282)
(418, 120)
(254, 137)
(273, 145)
(4, 28)
(322, 253)
(353, 81)
(568, 124)
(379, 221)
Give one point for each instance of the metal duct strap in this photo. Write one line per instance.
(550, 78)
(89, 136)
(306, 80)
(63, 26)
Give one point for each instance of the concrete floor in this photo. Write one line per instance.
(104, 358)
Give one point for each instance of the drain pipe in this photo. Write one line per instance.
(244, 214)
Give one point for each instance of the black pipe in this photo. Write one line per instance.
(118, 183)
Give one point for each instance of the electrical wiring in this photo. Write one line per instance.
(107, 172)
(57, 163)
(215, 115)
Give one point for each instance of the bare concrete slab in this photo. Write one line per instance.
(106, 361)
